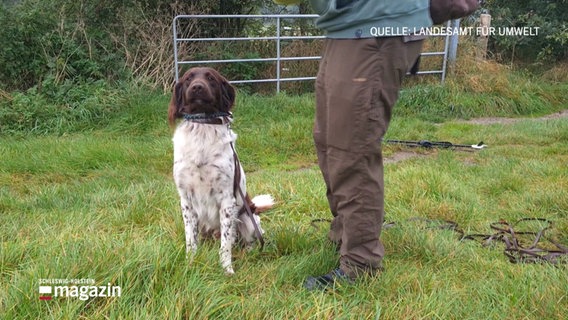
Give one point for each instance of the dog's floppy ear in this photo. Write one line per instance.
(227, 96)
(176, 103)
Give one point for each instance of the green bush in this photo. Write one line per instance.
(21, 55)
(60, 109)
(550, 16)
(59, 41)
(91, 40)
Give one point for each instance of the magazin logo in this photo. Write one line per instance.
(80, 292)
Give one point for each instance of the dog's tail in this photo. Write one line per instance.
(263, 202)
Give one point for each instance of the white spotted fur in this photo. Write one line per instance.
(204, 173)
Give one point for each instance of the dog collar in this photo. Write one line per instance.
(209, 118)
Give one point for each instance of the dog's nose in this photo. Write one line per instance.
(197, 87)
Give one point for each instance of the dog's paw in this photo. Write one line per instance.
(263, 202)
(190, 253)
(229, 272)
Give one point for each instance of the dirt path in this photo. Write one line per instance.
(405, 155)
(496, 120)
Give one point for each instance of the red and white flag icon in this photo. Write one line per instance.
(44, 292)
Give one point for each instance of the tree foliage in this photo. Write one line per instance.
(46, 43)
(89, 40)
(550, 16)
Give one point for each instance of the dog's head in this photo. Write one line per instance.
(200, 90)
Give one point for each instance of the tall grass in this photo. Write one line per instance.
(94, 199)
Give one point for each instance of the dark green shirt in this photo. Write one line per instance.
(348, 19)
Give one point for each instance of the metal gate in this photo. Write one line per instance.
(278, 40)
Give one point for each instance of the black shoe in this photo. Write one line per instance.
(327, 280)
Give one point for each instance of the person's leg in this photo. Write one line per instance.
(320, 125)
(357, 86)
(320, 139)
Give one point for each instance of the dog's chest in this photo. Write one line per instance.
(204, 161)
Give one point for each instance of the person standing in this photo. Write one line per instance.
(369, 48)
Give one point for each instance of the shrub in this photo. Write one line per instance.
(95, 40)
(60, 108)
(549, 16)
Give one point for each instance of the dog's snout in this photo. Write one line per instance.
(197, 87)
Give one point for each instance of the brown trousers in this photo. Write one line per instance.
(356, 88)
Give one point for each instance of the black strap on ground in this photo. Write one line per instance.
(540, 249)
(436, 144)
(521, 246)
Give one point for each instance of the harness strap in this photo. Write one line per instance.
(246, 207)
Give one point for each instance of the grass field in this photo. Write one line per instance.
(90, 196)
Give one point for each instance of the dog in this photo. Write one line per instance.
(208, 176)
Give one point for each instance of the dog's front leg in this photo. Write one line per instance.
(191, 227)
(228, 214)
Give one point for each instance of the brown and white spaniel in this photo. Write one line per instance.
(210, 181)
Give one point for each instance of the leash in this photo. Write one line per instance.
(246, 207)
(516, 251)
(505, 232)
(436, 144)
